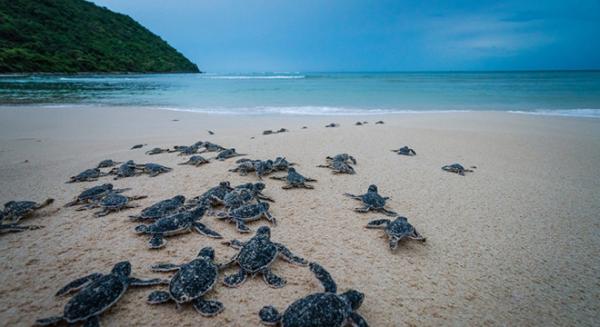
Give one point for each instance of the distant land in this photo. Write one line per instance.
(76, 36)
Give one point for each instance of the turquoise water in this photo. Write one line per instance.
(562, 93)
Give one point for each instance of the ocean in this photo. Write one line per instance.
(571, 93)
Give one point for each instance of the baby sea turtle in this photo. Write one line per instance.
(380, 122)
(191, 282)
(282, 130)
(177, 223)
(127, 169)
(247, 213)
(211, 132)
(96, 293)
(457, 168)
(185, 150)
(228, 153)
(256, 190)
(396, 230)
(319, 309)
(113, 202)
(137, 146)
(214, 196)
(237, 198)
(196, 160)
(153, 169)
(339, 167)
(94, 194)
(405, 151)
(244, 166)
(295, 180)
(358, 123)
(372, 201)
(88, 175)
(161, 209)
(267, 132)
(332, 125)
(14, 211)
(281, 164)
(211, 147)
(107, 163)
(154, 151)
(256, 256)
(343, 157)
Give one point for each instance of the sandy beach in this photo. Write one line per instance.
(514, 243)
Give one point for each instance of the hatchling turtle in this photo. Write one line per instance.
(126, 169)
(107, 163)
(137, 146)
(280, 163)
(256, 189)
(256, 256)
(332, 125)
(177, 223)
(358, 123)
(88, 175)
(396, 230)
(94, 194)
(247, 213)
(196, 160)
(372, 201)
(112, 202)
(244, 167)
(161, 209)
(457, 168)
(267, 132)
(295, 180)
(405, 151)
(211, 147)
(154, 151)
(228, 153)
(237, 198)
(211, 132)
(96, 293)
(380, 122)
(214, 196)
(153, 169)
(339, 167)
(319, 309)
(185, 150)
(190, 283)
(343, 157)
(14, 211)
(282, 130)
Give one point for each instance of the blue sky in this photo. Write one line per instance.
(353, 35)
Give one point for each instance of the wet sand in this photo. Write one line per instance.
(514, 243)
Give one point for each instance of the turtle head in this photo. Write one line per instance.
(198, 212)
(403, 219)
(264, 231)
(259, 186)
(291, 170)
(179, 198)
(207, 252)
(107, 186)
(354, 297)
(372, 188)
(122, 268)
(225, 184)
(264, 206)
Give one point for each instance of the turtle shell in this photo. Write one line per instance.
(18, 208)
(114, 200)
(95, 298)
(95, 191)
(88, 173)
(316, 310)
(163, 207)
(373, 199)
(171, 224)
(247, 211)
(257, 254)
(193, 280)
(400, 228)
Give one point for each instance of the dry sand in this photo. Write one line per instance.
(515, 243)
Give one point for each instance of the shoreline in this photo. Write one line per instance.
(512, 243)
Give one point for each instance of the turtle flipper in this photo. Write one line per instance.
(208, 308)
(378, 223)
(78, 284)
(273, 280)
(269, 315)
(288, 256)
(48, 321)
(203, 230)
(324, 277)
(235, 280)
(147, 282)
(388, 212)
(241, 226)
(236, 244)
(157, 241)
(164, 267)
(92, 322)
(362, 209)
(308, 186)
(158, 297)
(356, 197)
(357, 320)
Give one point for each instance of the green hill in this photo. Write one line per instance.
(72, 36)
